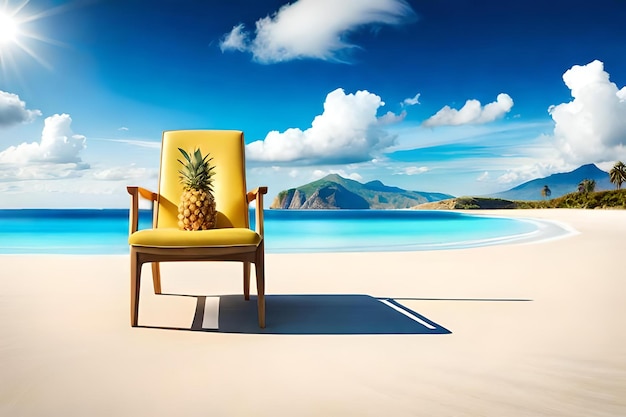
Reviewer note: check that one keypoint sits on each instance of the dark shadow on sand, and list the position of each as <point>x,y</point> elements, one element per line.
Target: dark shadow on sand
<point>318,314</point>
<point>508,300</point>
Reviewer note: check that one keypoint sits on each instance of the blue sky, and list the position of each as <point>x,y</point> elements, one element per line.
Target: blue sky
<point>453,96</point>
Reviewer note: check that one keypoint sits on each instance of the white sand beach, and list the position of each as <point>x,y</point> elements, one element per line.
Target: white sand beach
<point>533,329</point>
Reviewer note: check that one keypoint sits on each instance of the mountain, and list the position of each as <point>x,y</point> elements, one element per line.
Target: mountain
<point>336,192</point>
<point>560,184</point>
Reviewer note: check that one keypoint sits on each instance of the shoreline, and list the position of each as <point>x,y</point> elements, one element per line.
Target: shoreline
<point>534,329</point>
<point>396,241</point>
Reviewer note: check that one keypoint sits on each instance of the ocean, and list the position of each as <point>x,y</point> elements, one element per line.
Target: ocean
<point>90,231</point>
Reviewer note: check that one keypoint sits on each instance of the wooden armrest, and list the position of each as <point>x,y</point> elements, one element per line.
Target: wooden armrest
<point>257,194</point>
<point>142,192</point>
<point>133,214</point>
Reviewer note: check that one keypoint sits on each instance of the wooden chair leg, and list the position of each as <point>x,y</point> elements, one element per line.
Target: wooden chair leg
<point>135,285</point>
<point>260,284</point>
<point>156,277</point>
<point>246,280</point>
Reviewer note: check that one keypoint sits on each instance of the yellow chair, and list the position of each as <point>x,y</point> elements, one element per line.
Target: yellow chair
<point>231,240</point>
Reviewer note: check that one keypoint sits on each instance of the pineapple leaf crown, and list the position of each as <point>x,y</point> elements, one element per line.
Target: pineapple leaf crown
<point>197,172</point>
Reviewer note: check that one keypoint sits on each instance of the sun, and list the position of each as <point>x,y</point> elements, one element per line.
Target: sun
<point>9,29</point>
<point>19,35</point>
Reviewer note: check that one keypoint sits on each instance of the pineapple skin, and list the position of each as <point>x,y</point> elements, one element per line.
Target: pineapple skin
<point>196,210</point>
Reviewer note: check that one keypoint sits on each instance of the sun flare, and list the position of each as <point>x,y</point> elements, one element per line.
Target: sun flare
<point>8,29</point>
<point>19,35</point>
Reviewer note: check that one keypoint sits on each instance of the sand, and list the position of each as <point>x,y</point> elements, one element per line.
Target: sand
<point>533,329</point>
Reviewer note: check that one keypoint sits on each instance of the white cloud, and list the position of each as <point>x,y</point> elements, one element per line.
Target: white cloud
<point>510,177</point>
<point>526,172</point>
<point>413,170</point>
<point>58,145</point>
<point>123,129</point>
<point>347,131</point>
<point>55,157</point>
<point>137,143</point>
<point>13,110</point>
<point>390,118</point>
<point>236,39</point>
<point>40,171</point>
<point>484,176</point>
<point>591,127</point>
<point>313,28</point>
<point>472,113</point>
<point>411,101</point>
<point>124,173</point>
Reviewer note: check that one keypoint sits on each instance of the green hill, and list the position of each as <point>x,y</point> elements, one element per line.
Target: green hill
<point>336,192</point>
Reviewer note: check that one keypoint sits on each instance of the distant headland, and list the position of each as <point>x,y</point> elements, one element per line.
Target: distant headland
<point>336,192</point>
<point>585,187</point>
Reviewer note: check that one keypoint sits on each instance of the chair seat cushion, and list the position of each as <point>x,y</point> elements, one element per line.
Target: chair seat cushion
<point>175,238</point>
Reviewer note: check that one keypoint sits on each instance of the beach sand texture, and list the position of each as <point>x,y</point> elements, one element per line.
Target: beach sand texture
<point>534,330</point>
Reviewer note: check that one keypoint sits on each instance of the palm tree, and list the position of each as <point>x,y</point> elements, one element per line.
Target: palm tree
<point>587,186</point>
<point>617,174</point>
<point>546,192</point>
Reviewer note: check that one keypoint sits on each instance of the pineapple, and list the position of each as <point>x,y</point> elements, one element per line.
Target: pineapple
<point>196,210</point>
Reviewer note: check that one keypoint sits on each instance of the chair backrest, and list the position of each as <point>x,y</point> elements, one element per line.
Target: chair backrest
<point>226,147</point>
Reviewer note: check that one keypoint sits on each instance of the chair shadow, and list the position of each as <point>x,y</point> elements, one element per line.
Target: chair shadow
<point>316,314</point>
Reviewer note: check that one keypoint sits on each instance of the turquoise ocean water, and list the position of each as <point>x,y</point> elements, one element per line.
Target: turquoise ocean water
<point>70,231</point>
